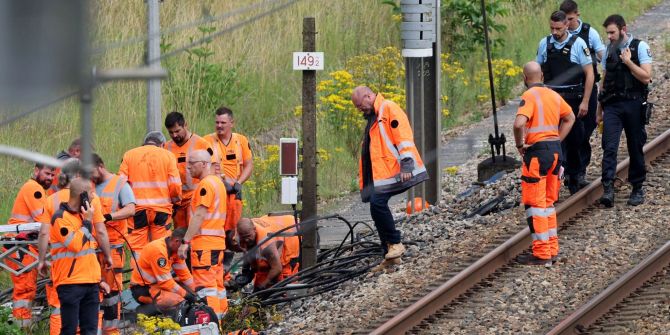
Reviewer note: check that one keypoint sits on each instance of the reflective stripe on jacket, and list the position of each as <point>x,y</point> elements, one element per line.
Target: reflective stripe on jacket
<point>181,154</point>
<point>211,193</point>
<point>392,147</point>
<point>155,267</point>
<point>29,203</point>
<point>153,175</point>
<point>72,250</point>
<point>109,198</point>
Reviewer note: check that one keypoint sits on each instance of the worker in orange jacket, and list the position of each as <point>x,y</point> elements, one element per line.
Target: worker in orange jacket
<point>206,234</point>
<point>75,270</point>
<point>152,173</point>
<point>28,205</point>
<point>276,258</point>
<point>73,151</point>
<point>543,120</point>
<point>71,170</point>
<point>152,284</point>
<point>390,163</point>
<point>183,143</point>
<point>118,204</point>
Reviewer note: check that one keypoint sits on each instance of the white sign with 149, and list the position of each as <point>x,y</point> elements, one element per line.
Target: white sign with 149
<point>308,61</point>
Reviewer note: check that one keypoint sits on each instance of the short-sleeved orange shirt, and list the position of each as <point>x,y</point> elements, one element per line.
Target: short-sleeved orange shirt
<point>544,109</point>
<point>230,156</point>
<point>29,203</point>
<point>54,201</point>
<point>188,183</point>
<point>210,193</point>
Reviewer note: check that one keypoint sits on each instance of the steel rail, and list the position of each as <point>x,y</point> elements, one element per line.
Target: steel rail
<point>507,251</point>
<point>587,314</point>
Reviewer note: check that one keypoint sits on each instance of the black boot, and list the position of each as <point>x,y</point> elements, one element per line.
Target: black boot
<point>573,184</point>
<point>636,196</point>
<point>581,181</point>
<point>608,194</point>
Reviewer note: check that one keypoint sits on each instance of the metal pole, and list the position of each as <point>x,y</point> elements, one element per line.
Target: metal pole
<point>153,58</point>
<point>488,59</point>
<point>86,119</point>
<point>309,194</point>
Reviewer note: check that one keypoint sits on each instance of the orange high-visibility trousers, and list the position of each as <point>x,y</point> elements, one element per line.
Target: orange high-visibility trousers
<point>181,216</point>
<point>147,225</point>
<point>110,304</point>
<point>24,287</point>
<point>162,299</point>
<point>539,190</point>
<point>207,269</point>
<point>233,212</point>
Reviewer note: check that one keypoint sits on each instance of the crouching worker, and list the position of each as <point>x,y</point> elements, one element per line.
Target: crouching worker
<point>152,284</point>
<point>276,258</point>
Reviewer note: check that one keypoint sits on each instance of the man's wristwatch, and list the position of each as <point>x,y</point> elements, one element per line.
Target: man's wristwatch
<point>108,217</point>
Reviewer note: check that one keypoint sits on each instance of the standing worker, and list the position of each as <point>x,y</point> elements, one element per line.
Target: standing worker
<point>234,162</point>
<point>623,105</point>
<point>183,143</point>
<point>71,170</point>
<point>206,234</point>
<point>75,269</point>
<point>389,165</point>
<point>28,205</point>
<point>118,204</point>
<point>152,173</point>
<point>596,48</point>
<point>566,65</point>
<point>545,119</point>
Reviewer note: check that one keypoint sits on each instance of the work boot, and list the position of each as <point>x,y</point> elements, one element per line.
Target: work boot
<point>573,184</point>
<point>530,259</point>
<point>395,251</point>
<point>636,196</point>
<point>608,194</point>
<point>386,263</point>
<point>581,181</point>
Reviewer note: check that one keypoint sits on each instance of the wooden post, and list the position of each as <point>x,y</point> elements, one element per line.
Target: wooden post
<point>309,239</point>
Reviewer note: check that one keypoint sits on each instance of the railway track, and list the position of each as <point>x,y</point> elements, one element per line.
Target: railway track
<point>463,284</point>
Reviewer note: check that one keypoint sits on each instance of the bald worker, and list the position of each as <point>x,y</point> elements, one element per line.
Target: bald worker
<point>390,163</point>
<point>206,232</point>
<point>543,120</point>
<point>276,258</point>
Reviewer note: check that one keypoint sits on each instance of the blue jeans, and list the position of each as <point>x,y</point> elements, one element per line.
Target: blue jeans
<point>624,115</point>
<point>79,305</point>
<point>381,215</point>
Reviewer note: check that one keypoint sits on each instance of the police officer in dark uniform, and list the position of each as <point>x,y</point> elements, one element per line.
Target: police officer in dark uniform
<point>596,47</point>
<point>566,66</point>
<point>627,64</point>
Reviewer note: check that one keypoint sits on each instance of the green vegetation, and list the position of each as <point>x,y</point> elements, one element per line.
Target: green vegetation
<point>250,71</point>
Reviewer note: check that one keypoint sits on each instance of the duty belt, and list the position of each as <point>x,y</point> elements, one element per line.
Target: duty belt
<point>571,92</point>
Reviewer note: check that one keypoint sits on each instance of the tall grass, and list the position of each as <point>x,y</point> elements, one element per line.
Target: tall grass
<point>261,55</point>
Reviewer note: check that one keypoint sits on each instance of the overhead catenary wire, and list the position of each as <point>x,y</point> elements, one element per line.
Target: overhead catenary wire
<point>218,33</point>
<point>171,30</point>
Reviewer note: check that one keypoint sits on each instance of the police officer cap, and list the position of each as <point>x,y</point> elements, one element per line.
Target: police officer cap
<point>154,137</point>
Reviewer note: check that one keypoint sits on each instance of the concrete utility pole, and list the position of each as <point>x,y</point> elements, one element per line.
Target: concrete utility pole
<point>153,54</point>
<point>309,241</point>
<point>420,32</point>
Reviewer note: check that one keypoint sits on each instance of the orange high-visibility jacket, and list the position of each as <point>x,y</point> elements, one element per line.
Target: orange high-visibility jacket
<point>391,145</point>
<point>72,250</point>
<point>109,198</point>
<point>152,173</point>
<point>544,109</point>
<point>29,203</point>
<point>53,203</point>
<point>288,246</point>
<point>156,264</point>
<point>230,157</point>
<point>181,153</point>
<point>211,193</point>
